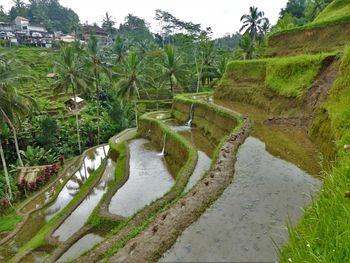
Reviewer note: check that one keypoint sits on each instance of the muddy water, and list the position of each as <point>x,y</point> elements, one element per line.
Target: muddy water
<point>35,257</point>
<point>80,215</point>
<point>203,144</point>
<point>83,244</point>
<point>291,143</point>
<point>149,179</point>
<point>39,218</point>
<point>253,211</point>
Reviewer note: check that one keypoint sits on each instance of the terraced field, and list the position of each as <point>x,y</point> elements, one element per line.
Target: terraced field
<point>39,86</point>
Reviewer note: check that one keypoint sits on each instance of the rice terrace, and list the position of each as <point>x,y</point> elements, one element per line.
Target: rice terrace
<point>142,135</point>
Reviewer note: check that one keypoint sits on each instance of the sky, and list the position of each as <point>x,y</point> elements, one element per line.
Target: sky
<point>223,16</point>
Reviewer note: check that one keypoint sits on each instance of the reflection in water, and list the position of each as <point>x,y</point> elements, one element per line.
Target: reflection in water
<point>149,179</point>
<point>83,244</point>
<point>39,218</point>
<point>203,144</point>
<point>91,163</point>
<point>252,211</point>
<point>78,218</point>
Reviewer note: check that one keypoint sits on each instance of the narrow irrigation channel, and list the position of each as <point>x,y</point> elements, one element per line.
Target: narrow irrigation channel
<point>149,179</point>
<point>251,214</point>
<point>39,218</point>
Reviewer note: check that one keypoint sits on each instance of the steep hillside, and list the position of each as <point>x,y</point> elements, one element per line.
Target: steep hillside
<point>285,86</point>
<point>40,62</point>
<point>338,9</point>
<point>327,33</point>
<point>323,234</point>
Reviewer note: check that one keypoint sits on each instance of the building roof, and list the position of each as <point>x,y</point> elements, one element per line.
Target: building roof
<point>22,18</point>
<point>78,99</point>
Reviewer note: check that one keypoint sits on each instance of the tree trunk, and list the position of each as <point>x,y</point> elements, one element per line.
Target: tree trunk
<point>77,119</point>
<point>7,178</point>
<point>135,105</point>
<point>98,105</point>
<point>199,74</point>
<point>14,136</point>
<point>172,87</point>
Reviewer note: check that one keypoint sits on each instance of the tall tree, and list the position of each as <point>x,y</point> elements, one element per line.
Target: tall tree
<point>295,8</point>
<point>133,78</point>
<point>97,66</point>
<point>4,165</point>
<point>13,105</point>
<point>315,7</point>
<point>173,69</point>
<point>252,22</point>
<point>135,29</point>
<point>108,24</point>
<point>71,75</point>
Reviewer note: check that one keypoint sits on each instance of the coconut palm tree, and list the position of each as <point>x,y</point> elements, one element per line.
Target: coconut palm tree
<point>133,78</point>
<point>173,69</point>
<point>119,49</point>
<point>97,66</point>
<point>252,22</point>
<point>13,104</point>
<point>4,164</point>
<point>70,72</point>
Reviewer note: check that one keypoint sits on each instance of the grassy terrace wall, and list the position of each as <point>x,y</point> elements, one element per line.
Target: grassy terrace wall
<point>330,32</point>
<point>335,10</point>
<point>181,157</point>
<point>323,233</point>
<point>215,122</point>
<point>274,84</point>
<point>164,229</point>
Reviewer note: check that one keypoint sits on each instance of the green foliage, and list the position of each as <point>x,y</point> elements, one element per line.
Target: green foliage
<point>246,71</point>
<point>253,23</point>
<point>9,221</point>
<point>135,29</point>
<point>4,186</point>
<point>120,150</point>
<point>48,12</point>
<point>48,132</point>
<point>322,235</point>
<point>292,76</point>
<point>334,11</point>
<point>289,77</point>
<point>35,156</point>
<point>228,42</point>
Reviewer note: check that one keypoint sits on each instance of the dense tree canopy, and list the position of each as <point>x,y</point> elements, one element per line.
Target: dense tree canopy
<point>47,12</point>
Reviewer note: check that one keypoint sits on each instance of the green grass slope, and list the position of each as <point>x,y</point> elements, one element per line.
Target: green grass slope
<point>323,233</point>
<point>288,77</point>
<point>334,11</point>
<point>327,33</point>
<point>39,87</point>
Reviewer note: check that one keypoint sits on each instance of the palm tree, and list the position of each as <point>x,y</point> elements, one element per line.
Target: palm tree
<point>172,68</point>
<point>108,24</point>
<point>4,164</point>
<point>97,66</point>
<point>70,73</point>
<point>133,79</point>
<point>119,49</point>
<point>246,48</point>
<point>252,22</point>
<point>13,105</point>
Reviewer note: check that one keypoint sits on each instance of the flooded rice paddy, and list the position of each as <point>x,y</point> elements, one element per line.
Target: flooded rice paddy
<point>252,213</point>
<point>149,179</point>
